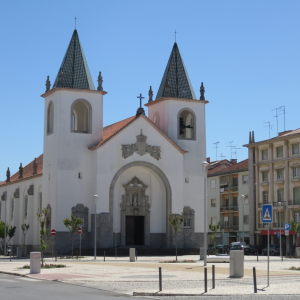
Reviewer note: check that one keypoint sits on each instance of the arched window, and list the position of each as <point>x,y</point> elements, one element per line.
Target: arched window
<point>50,118</point>
<point>186,124</point>
<point>81,117</point>
<point>156,119</point>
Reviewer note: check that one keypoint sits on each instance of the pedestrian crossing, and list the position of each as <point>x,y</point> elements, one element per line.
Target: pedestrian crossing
<point>18,279</point>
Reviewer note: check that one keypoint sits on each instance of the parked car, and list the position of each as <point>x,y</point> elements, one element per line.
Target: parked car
<point>273,250</point>
<point>247,250</point>
<point>256,248</point>
<point>237,247</point>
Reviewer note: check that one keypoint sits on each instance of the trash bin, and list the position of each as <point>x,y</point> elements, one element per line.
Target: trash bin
<point>35,262</point>
<point>19,252</point>
<point>202,252</point>
<point>132,254</point>
<point>236,263</point>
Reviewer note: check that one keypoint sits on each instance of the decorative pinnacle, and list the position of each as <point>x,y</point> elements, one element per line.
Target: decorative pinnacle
<point>202,90</point>
<point>21,171</point>
<point>167,88</point>
<point>8,175</point>
<point>60,78</point>
<point>150,94</point>
<point>100,80</point>
<point>48,84</point>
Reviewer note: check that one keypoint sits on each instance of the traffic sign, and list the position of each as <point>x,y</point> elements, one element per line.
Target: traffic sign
<point>267,213</point>
<point>278,235</point>
<point>79,230</point>
<point>287,232</point>
<point>287,226</point>
<point>53,232</point>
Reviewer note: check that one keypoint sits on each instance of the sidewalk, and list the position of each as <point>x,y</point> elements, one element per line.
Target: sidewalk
<point>141,277</point>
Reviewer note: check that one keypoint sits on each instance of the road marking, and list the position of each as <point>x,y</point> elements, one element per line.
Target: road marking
<point>29,279</point>
<point>7,280</point>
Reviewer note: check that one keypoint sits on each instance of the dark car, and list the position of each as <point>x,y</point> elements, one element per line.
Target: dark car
<point>256,248</point>
<point>247,250</point>
<point>237,247</point>
<point>273,250</point>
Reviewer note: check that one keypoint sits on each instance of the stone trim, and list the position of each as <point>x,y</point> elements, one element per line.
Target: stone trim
<point>30,190</point>
<point>89,116</point>
<point>166,182</point>
<point>17,193</point>
<point>176,99</point>
<point>195,122</point>
<point>53,90</point>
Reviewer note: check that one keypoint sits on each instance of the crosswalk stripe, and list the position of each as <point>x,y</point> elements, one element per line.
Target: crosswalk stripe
<point>29,279</point>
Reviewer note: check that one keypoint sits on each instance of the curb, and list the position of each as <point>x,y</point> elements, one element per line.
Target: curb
<point>175,295</point>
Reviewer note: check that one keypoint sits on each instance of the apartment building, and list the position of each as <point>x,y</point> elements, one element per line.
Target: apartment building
<point>226,183</point>
<point>274,179</point>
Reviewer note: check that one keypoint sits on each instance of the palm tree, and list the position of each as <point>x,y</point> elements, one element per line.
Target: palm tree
<point>72,224</point>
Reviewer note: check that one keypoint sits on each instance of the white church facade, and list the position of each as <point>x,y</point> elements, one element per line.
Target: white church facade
<point>142,168</point>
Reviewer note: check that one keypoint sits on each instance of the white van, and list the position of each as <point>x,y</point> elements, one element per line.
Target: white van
<point>237,243</point>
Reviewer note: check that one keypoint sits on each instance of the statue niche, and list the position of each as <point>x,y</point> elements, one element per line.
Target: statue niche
<point>135,202</point>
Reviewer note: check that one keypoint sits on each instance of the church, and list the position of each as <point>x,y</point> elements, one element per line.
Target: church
<point>132,174</point>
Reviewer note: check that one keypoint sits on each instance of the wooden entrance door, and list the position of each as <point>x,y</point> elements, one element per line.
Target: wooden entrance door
<point>134,230</point>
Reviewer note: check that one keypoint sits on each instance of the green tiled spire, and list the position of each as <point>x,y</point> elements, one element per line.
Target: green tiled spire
<point>76,73</point>
<point>176,78</point>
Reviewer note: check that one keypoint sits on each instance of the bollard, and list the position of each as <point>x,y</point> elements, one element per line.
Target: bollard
<point>60,254</point>
<point>135,254</point>
<point>104,255</point>
<point>254,280</point>
<point>160,281</point>
<point>257,255</point>
<point>213,276</point>
<point>10,256</point>
<point>77,254</point>
<point>55,255</point>
<point>205,280</point>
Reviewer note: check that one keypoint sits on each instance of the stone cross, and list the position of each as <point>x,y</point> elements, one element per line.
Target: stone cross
<point>140,96</point>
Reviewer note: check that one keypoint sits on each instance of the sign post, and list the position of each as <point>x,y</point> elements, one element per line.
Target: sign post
<point>267,217</point>
<point>287,228</point>
<point>79,232</point>
<point>53,233</point>
<point>116,242</point>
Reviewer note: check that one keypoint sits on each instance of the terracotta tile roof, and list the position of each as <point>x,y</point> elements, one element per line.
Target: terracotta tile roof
<point>177,99</point>
<point>27,172</point>
<point>110,131</point>
<point>218,165</point>
<point>238,167</point>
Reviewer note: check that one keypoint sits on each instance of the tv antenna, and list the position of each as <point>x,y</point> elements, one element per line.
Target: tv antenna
<point>216,143</point>
<point>230,148</point>
<point>270,127</point>
<point>235,148</point>
<point>276,117</point>
<point>282,108</point>
<point>222,156</point>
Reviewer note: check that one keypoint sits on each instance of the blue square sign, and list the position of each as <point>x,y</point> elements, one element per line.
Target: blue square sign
<point>287,226</point>
<point>267,213</point>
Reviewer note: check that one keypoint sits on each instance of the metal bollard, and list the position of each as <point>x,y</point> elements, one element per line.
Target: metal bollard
<point>205,280</point>
<point>60,254</point>
<point>160,280</point>
<point>55,255</point>
<point>213,276</point>
<point>135,254</point>
<point>104,255</point>
<point>257,255</point>
<point>254,280</point>
<point>77,254</point>
<point>10,256</point>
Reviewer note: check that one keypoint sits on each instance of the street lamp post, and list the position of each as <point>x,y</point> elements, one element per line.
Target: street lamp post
<point>95,250</point>
<point>205,168</point>
<point>243,201</point>
<point>280,204</point>
<point>4,224</point>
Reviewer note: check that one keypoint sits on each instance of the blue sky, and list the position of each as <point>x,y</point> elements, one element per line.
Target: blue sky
<point>246,53</point>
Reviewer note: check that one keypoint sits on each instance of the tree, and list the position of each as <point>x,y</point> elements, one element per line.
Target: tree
<point>24,228</point>
<point>2,229</point>
<point>214,229</point>
<point>296,228</point>
<point>42,218</point>
<point>72,224</point>
<point>176,221</point>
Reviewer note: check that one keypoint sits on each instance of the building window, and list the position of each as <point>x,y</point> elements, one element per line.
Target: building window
<point>187,223</point>
<point>213,221</point>
<point>26,207</point>
<point>246,199</point>
<point>296,172</point>
<point>295,149</point>
<point>280,195</point>
<point>186,124</point>
<point>245,179</point>
<point>212,184</point>
<point>280,218</point>
<point>50,118</point>
<point>235,201</point>
<point>265,197</point>
<point>41,202</point>
<point>235,181</point>
<point>213,202</point>
<point>296,196</point>
<point>297,216</point>
<point>265,176</point>
<point>235,220</point>
<point>12,208</point>
<point>279,151</point>
<point>280,174</point>
<point>246,219</point>
<point>156,119</point>
<point>81,114</point>
<point>264,154</point>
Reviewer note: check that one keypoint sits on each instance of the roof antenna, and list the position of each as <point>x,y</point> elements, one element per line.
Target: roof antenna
<point>230,148</point>
<point>175,35</point>
<point>222,156</point>
<point>216,143</point>
<point>270,127</point>
<point>75,22</point>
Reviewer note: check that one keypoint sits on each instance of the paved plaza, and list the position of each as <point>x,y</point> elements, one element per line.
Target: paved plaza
<point>141,277</point>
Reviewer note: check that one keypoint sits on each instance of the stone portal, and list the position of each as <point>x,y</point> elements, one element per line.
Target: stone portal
<point>135,230</point>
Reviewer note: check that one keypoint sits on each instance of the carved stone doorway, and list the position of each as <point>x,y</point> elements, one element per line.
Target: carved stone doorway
<point>135,230</point>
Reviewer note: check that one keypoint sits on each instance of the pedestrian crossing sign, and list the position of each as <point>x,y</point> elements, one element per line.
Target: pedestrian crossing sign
<point>267,213</point>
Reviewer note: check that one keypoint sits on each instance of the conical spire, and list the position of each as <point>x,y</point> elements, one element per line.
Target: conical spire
<point>180,85</point>
<point>76,73</point>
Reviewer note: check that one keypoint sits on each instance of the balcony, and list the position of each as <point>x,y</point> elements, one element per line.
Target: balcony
<point>261,204</point>
<point>276,205</point>
<point>229,227</point>
<point>229,207</point>
<point>263,226</point>
<point>277,225</point>
<point>229,189</point>
<point>294,202</point>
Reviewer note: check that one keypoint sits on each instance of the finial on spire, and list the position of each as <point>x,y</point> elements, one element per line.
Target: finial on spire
<point>140,110</point>
<point>202,90</point>
<point>35,167</point>
<point>150,94</point>
<point>8,175</point>
<point>60,78</point>
<point>100,80</point>
<point>175,35</point>
<point>75,22</point>
<point>167,88</point>
<point>48,84</point>
<point>20,171</point>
